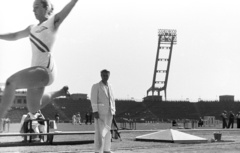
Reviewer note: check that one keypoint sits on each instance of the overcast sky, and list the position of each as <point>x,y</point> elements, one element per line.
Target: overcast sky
<point>122,36</point>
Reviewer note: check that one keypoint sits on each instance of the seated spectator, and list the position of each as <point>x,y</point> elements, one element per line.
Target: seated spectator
<point>74,121</point>
<point>174,123</point>
<point>88,117</point>
<point>37,126</point>
<point>78,118</point>
<point>200,122</point>
<point>57,118</point>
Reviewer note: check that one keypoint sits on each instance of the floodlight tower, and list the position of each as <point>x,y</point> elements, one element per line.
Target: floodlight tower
<point>166,39</point>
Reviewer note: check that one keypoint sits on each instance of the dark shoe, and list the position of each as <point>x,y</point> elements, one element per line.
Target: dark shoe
<point>67,94</point>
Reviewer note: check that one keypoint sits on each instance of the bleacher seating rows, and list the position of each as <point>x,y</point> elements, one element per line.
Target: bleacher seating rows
<point>15,115</point>
<point>147,110</point>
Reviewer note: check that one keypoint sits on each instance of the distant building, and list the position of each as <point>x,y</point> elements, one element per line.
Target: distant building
<point>226,98</point>
<point>20,99</point>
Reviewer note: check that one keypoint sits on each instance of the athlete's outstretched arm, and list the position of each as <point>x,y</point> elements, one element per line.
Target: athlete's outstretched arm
<point>16,35</point>
<point>59,17</point>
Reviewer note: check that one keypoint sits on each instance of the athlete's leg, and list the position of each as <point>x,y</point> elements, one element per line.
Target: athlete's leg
<point>33,77</point>
<point>36,100</point>
<point>34,96</point>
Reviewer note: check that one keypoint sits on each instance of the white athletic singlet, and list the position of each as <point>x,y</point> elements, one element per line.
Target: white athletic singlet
<point>42,38</point>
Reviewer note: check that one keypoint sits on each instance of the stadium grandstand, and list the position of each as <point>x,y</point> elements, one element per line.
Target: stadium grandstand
<point>147,110</point>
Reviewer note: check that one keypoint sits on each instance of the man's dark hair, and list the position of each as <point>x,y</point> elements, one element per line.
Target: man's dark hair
<point>105,71</point>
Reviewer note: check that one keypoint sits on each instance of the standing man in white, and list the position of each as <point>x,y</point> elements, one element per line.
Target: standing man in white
<point>103,106</point>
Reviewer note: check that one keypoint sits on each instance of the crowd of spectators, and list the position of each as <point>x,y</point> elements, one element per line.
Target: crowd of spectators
<point>229,118</point>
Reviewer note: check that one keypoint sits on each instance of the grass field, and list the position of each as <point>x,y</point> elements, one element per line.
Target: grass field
<point>84,143</point>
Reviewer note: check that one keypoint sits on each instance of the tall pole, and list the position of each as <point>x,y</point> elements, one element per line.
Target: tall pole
<point>156,64</point>
<point>166,37</point>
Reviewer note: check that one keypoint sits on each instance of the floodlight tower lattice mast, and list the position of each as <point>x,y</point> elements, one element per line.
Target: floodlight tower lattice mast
<point>166,39</point>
